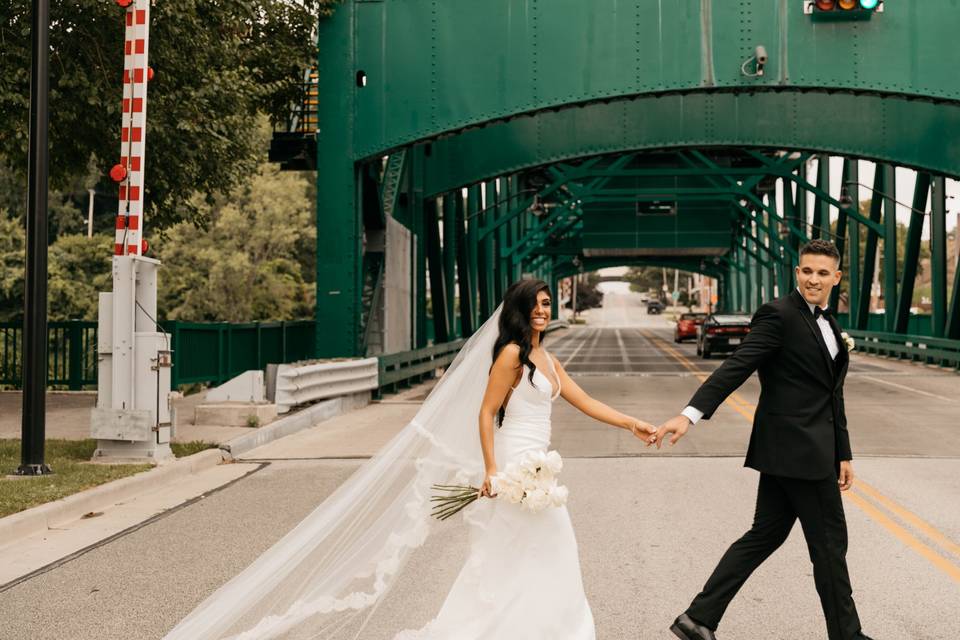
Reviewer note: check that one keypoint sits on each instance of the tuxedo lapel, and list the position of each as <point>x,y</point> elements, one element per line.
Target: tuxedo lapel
<point>817,335</point>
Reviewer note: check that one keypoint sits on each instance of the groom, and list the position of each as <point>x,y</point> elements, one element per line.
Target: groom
<point>799,444</point>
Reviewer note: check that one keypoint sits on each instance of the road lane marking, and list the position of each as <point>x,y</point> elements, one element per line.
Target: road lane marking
<point>734,400</point>
<point>910,518</point>
<point>904,387</point>
<point>944,564</point>
<point>579,347</point>
<point>903,535</point>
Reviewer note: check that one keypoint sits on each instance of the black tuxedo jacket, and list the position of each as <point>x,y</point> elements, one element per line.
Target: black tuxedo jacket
<point>800,428</point>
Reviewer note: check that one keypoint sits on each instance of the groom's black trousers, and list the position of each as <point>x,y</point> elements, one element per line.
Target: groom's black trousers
<point>781,501</point>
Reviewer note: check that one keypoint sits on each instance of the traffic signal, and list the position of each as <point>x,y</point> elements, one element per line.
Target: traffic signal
<point>842,9</point>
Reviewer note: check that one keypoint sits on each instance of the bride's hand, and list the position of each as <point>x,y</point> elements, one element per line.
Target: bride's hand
<point>643,430</point>
<point>486,489</point>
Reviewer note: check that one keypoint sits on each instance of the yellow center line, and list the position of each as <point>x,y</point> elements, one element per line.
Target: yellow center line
<point>944,564</point>
<point>926,528</point>
<point>905,536</point>
<point>734,400</point>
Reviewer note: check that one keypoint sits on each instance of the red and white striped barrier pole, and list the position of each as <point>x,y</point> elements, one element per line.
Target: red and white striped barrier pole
<point>132,419</point>
<point>133,134</point>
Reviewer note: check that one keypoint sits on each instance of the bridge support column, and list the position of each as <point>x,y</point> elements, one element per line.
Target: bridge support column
<point>869,254</point>
<point>339,230</point>
<point>438,290</point>
<point>450,250</point>
<point>466,267</point>
<point>889,248</point>
<point>938,257</point>
<point>911,254</point>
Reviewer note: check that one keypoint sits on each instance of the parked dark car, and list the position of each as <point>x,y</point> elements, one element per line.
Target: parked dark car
<point>721,332</point>
<point>655,307</point>
<point>687,324</point>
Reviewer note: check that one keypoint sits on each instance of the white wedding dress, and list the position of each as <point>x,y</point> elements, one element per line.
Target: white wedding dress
<point>327,576</point>
<point>522,576</point>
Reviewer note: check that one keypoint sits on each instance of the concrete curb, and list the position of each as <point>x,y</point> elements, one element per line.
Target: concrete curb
<point>47,516</point>
<point>303,419</point>
<point>52,514</point>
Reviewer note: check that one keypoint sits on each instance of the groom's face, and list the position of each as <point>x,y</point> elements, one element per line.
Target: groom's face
<point>817,275</point>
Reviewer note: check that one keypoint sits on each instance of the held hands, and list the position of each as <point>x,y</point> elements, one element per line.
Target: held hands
<point>641,429</point>
<point>677,426</point>
<point>846,475</point>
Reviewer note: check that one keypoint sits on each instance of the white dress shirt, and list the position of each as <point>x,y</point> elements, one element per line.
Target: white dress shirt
<point>693,414</point>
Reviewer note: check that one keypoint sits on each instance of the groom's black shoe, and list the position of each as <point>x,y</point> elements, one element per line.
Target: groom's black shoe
<point>686,628</point>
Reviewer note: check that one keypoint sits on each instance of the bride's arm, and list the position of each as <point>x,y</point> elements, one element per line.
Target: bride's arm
<point>502,376</point>
<point>572,393</point>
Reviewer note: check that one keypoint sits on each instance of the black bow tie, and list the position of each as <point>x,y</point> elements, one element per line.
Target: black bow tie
<point>826,313</point>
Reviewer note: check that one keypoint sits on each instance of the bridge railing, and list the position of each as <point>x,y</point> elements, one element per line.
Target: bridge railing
<point>407,368</point>
<point>71,354</point>
<point>938,351</point>
<point>209,352</point>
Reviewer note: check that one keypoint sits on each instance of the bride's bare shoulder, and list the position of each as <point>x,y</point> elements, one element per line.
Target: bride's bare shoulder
<point>509,355</point>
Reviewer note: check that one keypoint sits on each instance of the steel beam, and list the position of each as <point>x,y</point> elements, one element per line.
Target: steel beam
<point>438,293</point>
<point>853,226</point>
<point>889,247</point>
<point>859,319</point>
<point>450,250</point>
<point>822,208</point>
<point>938,256</point>
<point>911,256</point>
<point>339,283</point>
<point>466,264</point>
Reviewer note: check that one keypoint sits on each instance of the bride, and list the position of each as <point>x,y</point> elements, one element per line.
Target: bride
<point>522,575</point>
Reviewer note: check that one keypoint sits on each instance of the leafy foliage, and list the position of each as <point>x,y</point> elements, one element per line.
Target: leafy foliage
<point>253,262</point>
<point>218,66</point>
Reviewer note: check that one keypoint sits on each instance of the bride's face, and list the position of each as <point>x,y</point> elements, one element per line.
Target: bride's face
<point>540,315</point>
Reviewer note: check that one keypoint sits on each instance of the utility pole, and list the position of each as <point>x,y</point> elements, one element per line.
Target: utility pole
<point>92,192</point>
<point>33,427</point>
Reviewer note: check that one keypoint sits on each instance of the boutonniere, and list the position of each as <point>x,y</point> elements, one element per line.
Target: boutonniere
<point>847,340</point>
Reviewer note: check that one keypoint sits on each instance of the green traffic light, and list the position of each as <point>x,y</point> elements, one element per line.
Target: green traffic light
<point>869,5</point>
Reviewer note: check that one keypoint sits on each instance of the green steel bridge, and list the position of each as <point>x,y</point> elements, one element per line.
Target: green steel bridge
<point>459,145</point>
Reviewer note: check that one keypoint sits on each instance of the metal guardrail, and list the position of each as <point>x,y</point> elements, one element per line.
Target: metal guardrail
<point>297,385</point>
<point>939,351</point>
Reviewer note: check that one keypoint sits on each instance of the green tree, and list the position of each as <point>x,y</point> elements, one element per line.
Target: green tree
<point>12,242</point>
<point>249,263</point>
<point>218,66</point>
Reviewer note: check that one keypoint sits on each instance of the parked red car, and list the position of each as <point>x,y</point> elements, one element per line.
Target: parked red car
<point>687,326</point>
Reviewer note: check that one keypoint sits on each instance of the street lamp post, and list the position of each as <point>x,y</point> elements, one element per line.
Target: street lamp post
<point>35,287</point>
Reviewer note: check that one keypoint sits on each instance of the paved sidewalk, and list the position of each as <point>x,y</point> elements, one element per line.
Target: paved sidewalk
<point>68,417</point>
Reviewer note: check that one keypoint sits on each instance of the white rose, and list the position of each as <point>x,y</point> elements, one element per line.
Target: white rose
<point>554,462</point>
<point>558,496</point>
<point>545,482</point>
<point>536,500</point>
<point>534,460</point>
<point>512,493</point>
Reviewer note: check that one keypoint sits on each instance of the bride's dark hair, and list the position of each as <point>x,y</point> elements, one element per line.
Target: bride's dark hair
<point>519,301</point>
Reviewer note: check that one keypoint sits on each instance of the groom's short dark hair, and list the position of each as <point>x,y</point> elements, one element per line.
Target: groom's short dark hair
<point>821,248</point>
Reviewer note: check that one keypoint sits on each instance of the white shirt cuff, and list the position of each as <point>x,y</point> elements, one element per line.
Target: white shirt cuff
<point>693,414</point>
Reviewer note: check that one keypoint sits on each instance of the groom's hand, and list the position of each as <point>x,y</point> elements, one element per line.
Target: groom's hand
<point>846,475</point>
<point>677,426</point>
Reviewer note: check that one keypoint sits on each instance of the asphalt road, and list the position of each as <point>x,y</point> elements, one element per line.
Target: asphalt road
<point>650,525</point>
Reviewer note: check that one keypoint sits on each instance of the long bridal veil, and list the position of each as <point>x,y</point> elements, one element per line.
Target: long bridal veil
<point>341,560</point>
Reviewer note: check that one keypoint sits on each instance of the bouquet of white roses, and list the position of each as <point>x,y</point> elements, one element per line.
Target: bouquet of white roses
<point>530,482</point>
